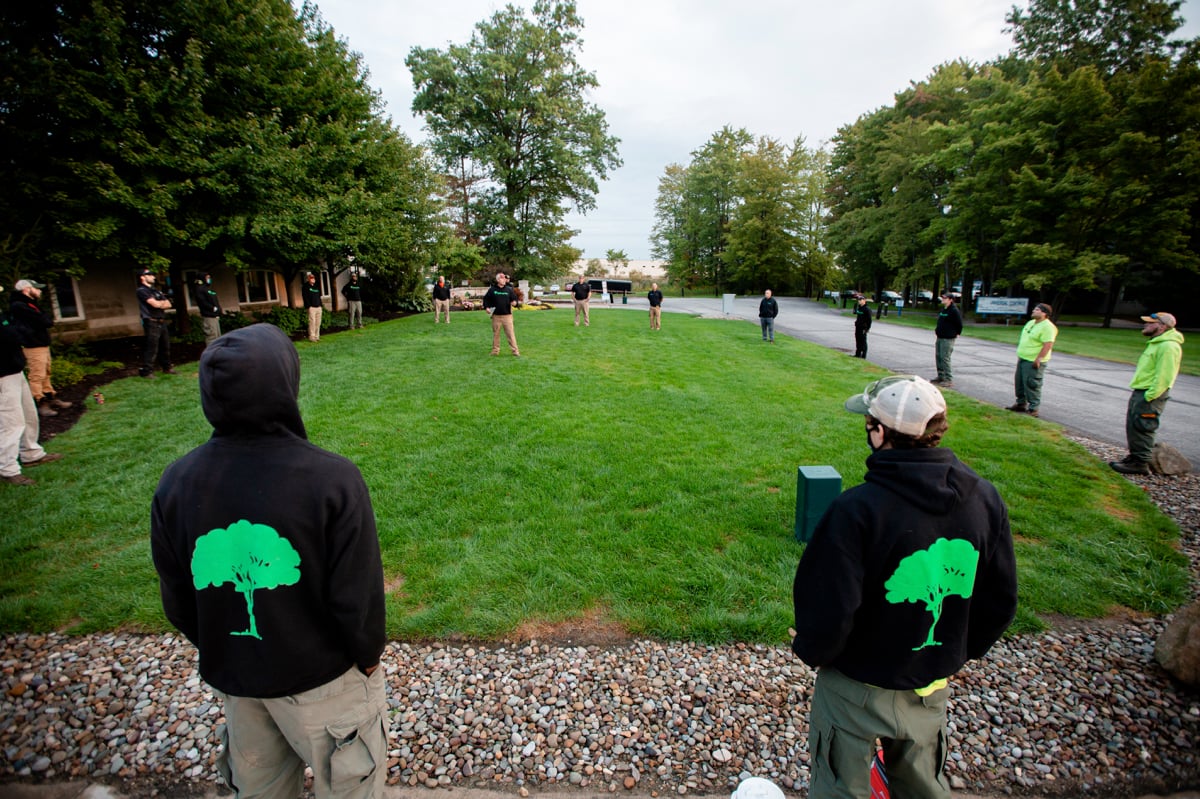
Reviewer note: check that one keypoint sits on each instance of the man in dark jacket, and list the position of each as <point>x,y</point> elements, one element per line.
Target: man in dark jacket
<point>908,576</point>
<point>152,307</point>
<point>949,328</point>
<point>582,291</point>
<point>441,300</point>
<point>862,325</point>
<point>352,291</point>
<point>655,298</point>
<point>498,302</point>
<point>312,301</point>
<point>268,561</point>
<point>210,308</point>
<point>33,326</point>
<point>768,309</point>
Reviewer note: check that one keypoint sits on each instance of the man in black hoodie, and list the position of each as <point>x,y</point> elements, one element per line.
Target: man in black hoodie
<point>908,576</point>
<point>268,561</point>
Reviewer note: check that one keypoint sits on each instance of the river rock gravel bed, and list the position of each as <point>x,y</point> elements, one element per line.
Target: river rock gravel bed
<point>1082,709</point>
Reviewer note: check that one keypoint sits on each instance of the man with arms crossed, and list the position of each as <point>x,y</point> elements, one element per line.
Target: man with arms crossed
<point>1156,371</point>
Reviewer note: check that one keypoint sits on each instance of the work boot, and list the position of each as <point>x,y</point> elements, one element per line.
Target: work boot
<point>57,403</point>
<point>44,409</point>
<point>1134,467</point>
<point>1019,407</point>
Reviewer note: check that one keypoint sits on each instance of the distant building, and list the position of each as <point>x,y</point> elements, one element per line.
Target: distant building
<point>651,269</point>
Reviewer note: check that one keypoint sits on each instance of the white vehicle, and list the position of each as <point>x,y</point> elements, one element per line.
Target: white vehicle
<point>554,289</point>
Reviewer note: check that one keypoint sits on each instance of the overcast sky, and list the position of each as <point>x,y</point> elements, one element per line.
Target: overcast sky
<point>673,72</point>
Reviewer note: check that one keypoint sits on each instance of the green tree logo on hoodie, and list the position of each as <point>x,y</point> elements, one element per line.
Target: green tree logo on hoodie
<point>250,556</point>
<point>947,568</point>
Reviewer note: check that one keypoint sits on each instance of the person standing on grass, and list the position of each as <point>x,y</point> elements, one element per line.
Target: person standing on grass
<point>949,328</point>
<point>1033,353</point>
<point>152,306</point>
<point>862,326</point>
<point>1156,371</point>
<point>441,300</point>
<point>352,291</point>
<point>582,291</point>
<point>498,302</point>
<point>312,301</point>
<point>655,297</point>
<point>268,561</point>
<point>33,326</point>
<point>907,577</point>
<point>210,309</point>
<point>19,424</point>
<point>768,309</point>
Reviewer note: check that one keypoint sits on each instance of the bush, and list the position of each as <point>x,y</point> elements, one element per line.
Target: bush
<point>420,302</point>
<point>289,320</point>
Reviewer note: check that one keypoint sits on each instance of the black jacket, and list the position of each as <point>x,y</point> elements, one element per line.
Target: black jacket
<point>582,290</point>
<point>768,308</point>
<point>441,291</point>
<point>206,301</point>
<point>311,294</point>
<point>655,298</point>
<point>501,299</point>
<point>862,317</point>
<point>949,323</point>
<point>31,323</point>
<point>265,545</point>
<point>12,357</point>
<point>352,291</point>
<point>888,591</point>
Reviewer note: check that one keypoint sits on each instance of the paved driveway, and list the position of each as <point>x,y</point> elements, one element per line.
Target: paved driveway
<point>1082,394</point>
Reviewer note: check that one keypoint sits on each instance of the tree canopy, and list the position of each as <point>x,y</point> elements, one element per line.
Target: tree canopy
<point>197,133</point>
<point>509,118</point>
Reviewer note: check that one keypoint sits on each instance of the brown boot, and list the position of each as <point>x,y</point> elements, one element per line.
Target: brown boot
<point>44,408</point>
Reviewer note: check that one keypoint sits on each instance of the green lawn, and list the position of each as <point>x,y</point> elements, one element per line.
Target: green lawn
<point>643,479</point>
<point>1109,344</point>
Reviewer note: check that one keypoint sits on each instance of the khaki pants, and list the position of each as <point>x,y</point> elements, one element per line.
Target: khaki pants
<point>339,729</point>
<point>314,324</point>
<point>19,426</point>
<point>581,306</point>
<point>441,307</point>
<point>212,328</point>
<point>37,360</point>
<point>504,323</point>
<point>847,716</point>
<point>655,317</point>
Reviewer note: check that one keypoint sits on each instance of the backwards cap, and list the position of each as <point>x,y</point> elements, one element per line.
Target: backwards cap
<point>905,403</point>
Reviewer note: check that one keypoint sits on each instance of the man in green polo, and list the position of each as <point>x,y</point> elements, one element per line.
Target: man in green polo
<point>1033,353</point>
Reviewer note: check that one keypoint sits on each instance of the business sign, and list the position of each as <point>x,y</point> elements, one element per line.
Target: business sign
<point>1016,306</point>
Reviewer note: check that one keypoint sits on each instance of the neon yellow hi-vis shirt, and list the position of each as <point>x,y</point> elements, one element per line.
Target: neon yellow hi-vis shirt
<point>1159,365</point>
<point>1033,336</point>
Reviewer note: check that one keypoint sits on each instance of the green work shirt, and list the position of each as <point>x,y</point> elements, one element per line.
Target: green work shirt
<point>1033,336</point>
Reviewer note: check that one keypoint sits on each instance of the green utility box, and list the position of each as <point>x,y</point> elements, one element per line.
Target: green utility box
<point>816,489</point>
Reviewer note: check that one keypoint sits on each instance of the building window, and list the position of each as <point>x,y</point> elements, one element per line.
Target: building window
<point>65,299</point>
<point>324,276</point>
<point>257,286</point>
<point>190,276</point>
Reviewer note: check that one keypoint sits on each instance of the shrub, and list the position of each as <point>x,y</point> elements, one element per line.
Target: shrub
<point>289,320</point>
<point>418,302</point>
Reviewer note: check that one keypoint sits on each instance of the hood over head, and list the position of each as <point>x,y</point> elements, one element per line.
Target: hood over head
<point>249,382</point>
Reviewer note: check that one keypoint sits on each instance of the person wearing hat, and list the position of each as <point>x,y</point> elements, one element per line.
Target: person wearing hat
<point>33,326</point>
<point>19,423</point>
<point>210,308</point>
<point>948,329</point>
<point>1156,371</point>
<point>1033,353</point>
<point>312,301</point>
<point>152,306</point>
<point>907,577</point>
<point>862,326</point>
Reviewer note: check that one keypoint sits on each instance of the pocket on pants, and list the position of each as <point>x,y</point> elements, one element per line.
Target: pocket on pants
<point>1146,422</point>
<point>357,752</point>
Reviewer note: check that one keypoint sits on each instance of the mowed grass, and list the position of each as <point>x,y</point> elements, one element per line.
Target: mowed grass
<point>639,479</point>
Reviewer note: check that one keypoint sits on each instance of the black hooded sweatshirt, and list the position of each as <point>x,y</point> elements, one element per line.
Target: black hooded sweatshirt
<point>265,545</point>
<point>908,575</point>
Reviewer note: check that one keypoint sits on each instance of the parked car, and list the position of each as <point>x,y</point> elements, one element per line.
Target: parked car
<point>890,296</point>
<point>925,294</point>
<point>554,289</point>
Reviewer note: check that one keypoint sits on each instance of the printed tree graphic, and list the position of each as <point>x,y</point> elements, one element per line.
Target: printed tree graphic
<point>930,575</point>
<point>251,556</point>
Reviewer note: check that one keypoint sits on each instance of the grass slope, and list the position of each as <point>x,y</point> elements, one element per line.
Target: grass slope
<point>638,478</point>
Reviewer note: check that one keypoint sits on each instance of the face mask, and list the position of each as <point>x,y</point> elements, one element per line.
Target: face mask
<point>870,443</point>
